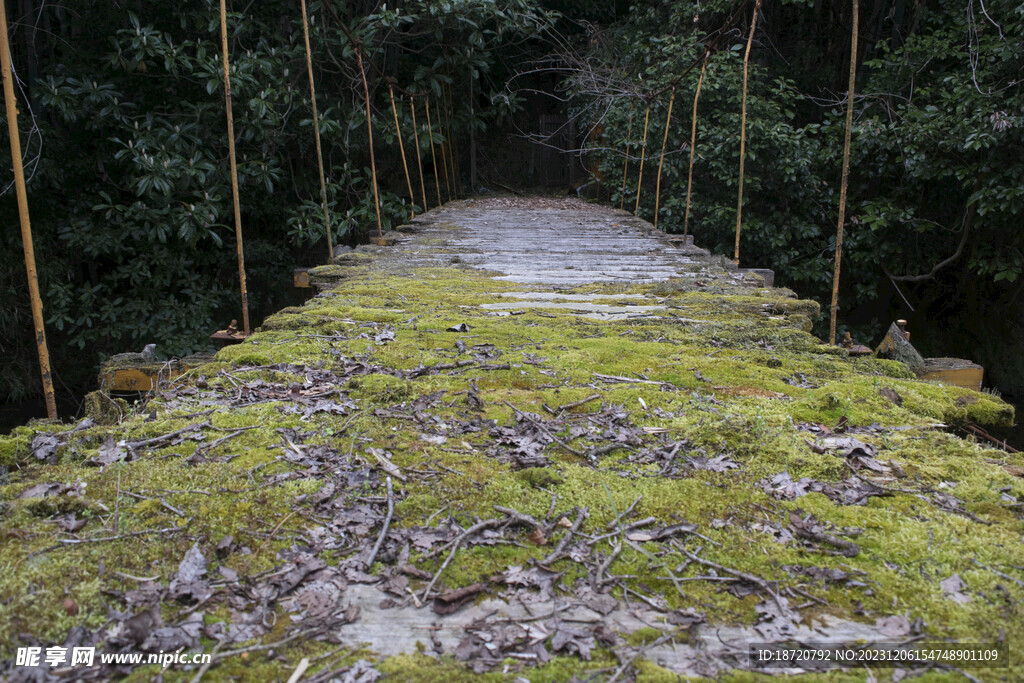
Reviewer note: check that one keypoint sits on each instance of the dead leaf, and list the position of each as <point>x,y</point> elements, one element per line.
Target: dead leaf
<point>42,491</point>
<point>188,584</point>
<point>44,445</point>
<point>109,453</point>
<point>895,626</point>
<point>360,672</point>
<point>572,640</point>
<point>953,587</point>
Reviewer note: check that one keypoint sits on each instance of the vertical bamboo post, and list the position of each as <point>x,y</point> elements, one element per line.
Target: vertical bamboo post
<point>846,175</point>
<point>643,154</point>
<point>433,155</point>
<point>472,134</point>
<point>444,145</point>
<point>743,130</point>
<point>26,226</point>
<point>693,143</point>
<point>453,154</point>
<point>625,166</point>
<point>234,166</point>
<point>401,148</point>
<point>416,140</point>
<point>661,164</point>
<point>316,133</point>
<point>369,133</point>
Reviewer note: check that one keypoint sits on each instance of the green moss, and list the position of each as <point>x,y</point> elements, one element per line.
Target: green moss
<point>103,409</point>
<point>731,373</point>
<point>14,446</point>
<point>540,477</point>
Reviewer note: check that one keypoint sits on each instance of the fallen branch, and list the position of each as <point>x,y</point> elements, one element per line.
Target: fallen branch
<point>544,429</point>
<point>77,541</point>
<point>206,447</point>
<point>629,662</point>
<point>519,516</point>
<point>146,443</point>
<point>581,514</point>
<point>757,581</point>
<point>577,404</point>
<point>480,526</point>
<point>626,380</point>
<point>384,529</point>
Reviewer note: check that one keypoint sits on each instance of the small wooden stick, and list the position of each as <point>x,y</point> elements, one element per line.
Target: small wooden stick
<point>581,514</point>
<point>384,529</point>
<point>486,524</point>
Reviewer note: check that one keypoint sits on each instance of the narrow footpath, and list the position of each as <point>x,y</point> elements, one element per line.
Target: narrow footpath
<point>534,439</point>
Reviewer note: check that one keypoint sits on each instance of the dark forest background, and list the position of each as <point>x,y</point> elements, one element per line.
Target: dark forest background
<point>124,133</point>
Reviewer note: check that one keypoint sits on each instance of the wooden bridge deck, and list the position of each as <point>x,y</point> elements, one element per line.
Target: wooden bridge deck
<point>530,430</point>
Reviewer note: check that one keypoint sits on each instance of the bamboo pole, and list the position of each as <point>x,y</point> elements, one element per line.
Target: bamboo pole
<point>416,139</point>
<point>661,164</point>
<point>643,154</point>
<point>453,153</point>
<point>234,167</point>
<point>444,146</point>
<point>369,132</point>
<point>26,225</point>
<point>433,155</point>
<point>316,132</point>
<point>693,143</point>
<point>625,167</point>
<point>401,148</point>
<point>743,130</point>
<point>846,175</point>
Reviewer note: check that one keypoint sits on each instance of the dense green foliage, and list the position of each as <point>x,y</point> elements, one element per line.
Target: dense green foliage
<point>126,134</point>
<point>937,178</point>
<point>124,129</point>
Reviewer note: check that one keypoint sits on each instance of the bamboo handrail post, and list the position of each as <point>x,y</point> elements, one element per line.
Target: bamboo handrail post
<point>369,133</point>
<point>316,133</point>
<point>643,154</point>
<point>693,143</point>
<point>401,148</point>
<point>743,130</point>
<point>625,167</point>
<point>444,146</point>
<point>416,140</point>
<point>433,154</point>
<point>846,176</point>
<point>453,152</point>
<point>236,203</point>
<point>23,216</point>
<point>661,164</point>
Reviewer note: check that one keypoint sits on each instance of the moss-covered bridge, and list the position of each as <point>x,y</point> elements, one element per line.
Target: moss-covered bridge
<point>533,440</point>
